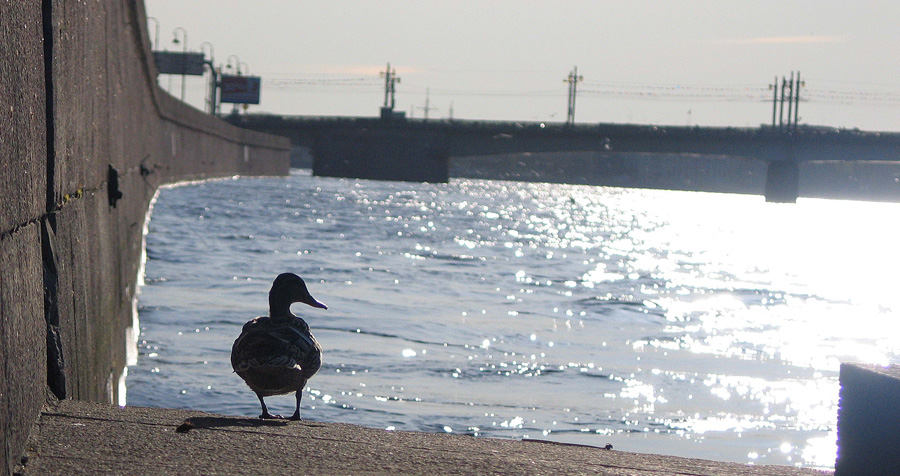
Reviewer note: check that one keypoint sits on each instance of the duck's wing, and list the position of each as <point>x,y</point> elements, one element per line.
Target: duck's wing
<point>264,344</point>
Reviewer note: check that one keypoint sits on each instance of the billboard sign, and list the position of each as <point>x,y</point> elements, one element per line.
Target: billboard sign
<point>239,89</point>
<point>168,62</point>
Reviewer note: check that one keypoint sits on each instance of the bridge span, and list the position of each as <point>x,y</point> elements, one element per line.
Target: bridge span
<point>420,150</point>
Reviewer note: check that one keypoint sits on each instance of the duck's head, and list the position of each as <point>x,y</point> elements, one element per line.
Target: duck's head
<point>289,288</point>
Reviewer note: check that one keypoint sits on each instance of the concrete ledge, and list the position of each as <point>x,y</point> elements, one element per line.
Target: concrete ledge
<point>868,420</point>
<point>87,438</point>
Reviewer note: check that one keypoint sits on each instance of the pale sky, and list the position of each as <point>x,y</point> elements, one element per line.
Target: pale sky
<point>697,62</point>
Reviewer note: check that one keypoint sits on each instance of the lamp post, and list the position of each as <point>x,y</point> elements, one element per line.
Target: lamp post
<point>211,49</point>
<point>235,63</point>
<point>211,91</point>
<point>184,50</point>
<point>156,36</point>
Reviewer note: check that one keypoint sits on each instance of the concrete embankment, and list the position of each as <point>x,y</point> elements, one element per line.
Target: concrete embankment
<point>85,438</point>
<point>86,137</point>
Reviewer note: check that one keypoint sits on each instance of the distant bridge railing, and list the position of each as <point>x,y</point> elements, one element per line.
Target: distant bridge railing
<point>419,149</point>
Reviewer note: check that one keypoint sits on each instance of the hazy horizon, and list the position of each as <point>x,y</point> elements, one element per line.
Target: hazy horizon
<point>678,62</point>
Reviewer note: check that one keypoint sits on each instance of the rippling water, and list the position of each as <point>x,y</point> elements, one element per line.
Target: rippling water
<point>694,324</point>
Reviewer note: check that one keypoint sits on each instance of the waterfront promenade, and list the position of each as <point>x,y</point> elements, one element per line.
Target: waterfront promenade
<point>75,437</point>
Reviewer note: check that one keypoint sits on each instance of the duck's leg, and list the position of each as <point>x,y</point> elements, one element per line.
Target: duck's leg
<point>296,415</point>
<point>265,410</point>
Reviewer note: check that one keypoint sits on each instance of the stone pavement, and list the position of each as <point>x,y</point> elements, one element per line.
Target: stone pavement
<point>74,437</point>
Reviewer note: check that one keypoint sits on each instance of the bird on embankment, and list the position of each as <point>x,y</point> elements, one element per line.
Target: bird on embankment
<point>276,354</point>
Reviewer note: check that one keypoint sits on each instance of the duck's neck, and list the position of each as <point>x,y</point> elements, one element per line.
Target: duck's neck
<point>280,308</point>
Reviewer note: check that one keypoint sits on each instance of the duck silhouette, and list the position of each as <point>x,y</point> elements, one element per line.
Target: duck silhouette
<point>276,354</point>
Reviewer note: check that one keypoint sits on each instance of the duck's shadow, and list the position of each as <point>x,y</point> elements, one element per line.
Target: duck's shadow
<point>221,423</point>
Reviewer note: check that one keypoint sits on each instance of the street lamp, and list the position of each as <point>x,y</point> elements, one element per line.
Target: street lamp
<point>236,63</point>
<point>184,50</point>
<point>156,36</point>
<point>211,86</point>
<point>211,49</point>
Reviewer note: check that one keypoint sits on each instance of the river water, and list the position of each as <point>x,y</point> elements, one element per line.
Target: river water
<point>694,324</point>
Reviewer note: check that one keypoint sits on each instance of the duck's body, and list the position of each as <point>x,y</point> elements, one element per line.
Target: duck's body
<point>277,354</point>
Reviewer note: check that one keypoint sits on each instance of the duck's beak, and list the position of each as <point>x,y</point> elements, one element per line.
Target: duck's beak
<point>312,302</point>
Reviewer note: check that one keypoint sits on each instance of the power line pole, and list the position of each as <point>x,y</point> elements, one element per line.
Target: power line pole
<point>797,100</point>
<point>790,113</point>
<point>781,109</point>
<point>387,84</point>
<point>573,81</point>
<point>390,80</point>
<point>774,87</point>
<point>427,103</point>
<point>790,93</point>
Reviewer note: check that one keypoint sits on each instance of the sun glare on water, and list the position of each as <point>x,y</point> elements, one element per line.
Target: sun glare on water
<point>685,323</point>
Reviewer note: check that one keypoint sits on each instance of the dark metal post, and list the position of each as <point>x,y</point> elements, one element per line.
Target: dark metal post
<point>797,101</point>
<point>781,108</point>
<point>211,98</point>
<point>573,80</point>
<point>774,101</point>
<point>393,87</point>
<point>213,87</point>
<point>790,102</point>
<point>387,85</point>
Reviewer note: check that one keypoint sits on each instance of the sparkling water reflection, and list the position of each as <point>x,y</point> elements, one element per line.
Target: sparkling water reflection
<point>694,324</point>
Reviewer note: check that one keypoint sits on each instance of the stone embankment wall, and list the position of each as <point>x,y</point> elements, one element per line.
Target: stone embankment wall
<point>86,138</point>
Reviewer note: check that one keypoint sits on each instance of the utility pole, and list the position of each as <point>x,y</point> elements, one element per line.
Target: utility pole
<point>774,87</point>
<point>573,81</point>
<point>428,103</point>
<point>797,100</point>
<point>790,92</point>
<point>781,109</point>
<point>390,80</point>
<point>790,114</point>
<point>387,84</point>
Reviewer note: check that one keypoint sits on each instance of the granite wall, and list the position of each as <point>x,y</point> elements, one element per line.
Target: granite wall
<point>86,138</point>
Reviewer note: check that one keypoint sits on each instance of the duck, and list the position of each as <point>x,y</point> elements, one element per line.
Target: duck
<point>277,354</point>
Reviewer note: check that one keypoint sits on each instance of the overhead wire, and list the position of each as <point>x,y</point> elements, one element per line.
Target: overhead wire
<point>653,92</point>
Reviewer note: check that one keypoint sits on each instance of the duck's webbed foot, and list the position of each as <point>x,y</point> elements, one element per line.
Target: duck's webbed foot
<point>265,415</point>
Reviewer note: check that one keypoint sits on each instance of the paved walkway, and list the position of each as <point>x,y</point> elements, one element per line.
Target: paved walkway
<point>86,438</point>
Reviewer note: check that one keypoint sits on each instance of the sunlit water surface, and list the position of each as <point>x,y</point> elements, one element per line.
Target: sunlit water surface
<point>694,324</point>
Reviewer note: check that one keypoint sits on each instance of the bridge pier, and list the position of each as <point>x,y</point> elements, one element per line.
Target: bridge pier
<point>382,153</point>
<point>782,182</point>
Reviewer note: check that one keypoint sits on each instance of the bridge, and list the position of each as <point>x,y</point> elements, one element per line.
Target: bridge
<point>395,148</point>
